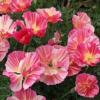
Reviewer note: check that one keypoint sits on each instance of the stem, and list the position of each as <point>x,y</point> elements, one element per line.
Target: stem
<point>24,47</point>
<point>86,69</point>
<point>62,97</point>
<point>15,45</point>
<point>4,88</point>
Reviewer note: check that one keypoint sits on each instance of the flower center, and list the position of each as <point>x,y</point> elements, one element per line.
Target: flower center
<point>24,74</point>
<point>89,57</point>
<point>50,64</point>
<point>51,71</point>
<point>49,12</point>
<point>17,73</point>
<point>84,87</point>
<point>35,28</point>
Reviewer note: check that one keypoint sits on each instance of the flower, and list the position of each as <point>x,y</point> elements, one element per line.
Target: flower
<point>23,35</point>
<point>20,5</point>
<point>88,53</point>
<point>76,37</point>
<point>36,23</point>
<point>23,69</point>
<point>52,15</point>
<point>56,39</point>
<point>4,6</point>
<point>28,94</point>
<point>7,26</point>
<point>55,60</point>
<point>80,20</point>
<point>4,46</point>
<point>74,68</point>
<point>86,85</point>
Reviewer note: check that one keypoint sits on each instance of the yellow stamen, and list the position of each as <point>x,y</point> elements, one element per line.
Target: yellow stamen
<point>35,27</point>
<point>50,13</point>
<point>51,71</point>
<point>89,57</point>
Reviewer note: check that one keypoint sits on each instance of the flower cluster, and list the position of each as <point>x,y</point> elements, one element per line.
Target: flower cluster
<point>84,51</point>
<point>51,63</point>
<point>11,6</point>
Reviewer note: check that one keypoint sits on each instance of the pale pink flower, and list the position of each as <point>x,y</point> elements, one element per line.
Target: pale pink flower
<point>51,14</point>
<point>55,60</point>
<point>76,37</point>
<point>20,5</point>
<point>7,26</point>
<point>23,69</point>
<point>28,94</point>
<point>80,20</point>
<point>89,28</point>
<point>56,39</point>
<point>4,46</point>
<point>86,85</point>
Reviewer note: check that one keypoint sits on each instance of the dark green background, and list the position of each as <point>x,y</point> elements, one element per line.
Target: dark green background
<point>68,9</point>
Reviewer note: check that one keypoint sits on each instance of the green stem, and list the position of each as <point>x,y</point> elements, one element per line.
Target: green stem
<point>24,47</point>
<point>62,97</point>
<point>87,67</point>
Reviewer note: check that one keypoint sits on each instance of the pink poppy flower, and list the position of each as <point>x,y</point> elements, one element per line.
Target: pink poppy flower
<point>89,28</point>
<point>55,60</point>
<point>6,26</point>
<point>4,6</point>
<point>86,85</point>
<point>88,53</point>
<point>22,35</point>
<point>51,14</point>
<point>76,37</point>
<point>4,46</point>
<point>23,69</point>
<point>56,39</point>
<point>73,68</point>
<point>28,94</point>
<point>36,23</point>
<point>80,20</point>
<point>20,5</point>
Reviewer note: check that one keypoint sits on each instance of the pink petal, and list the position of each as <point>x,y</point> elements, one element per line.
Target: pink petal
<point>12,98</point>
<point>4,46</point>
<point>14,60</point>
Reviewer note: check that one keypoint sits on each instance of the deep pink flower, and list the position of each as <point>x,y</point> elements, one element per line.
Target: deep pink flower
<point>4,46</point>
<point>36,23</point>
<point>7,26</point>
<point>26,95</point>
<point>51,14</point>
<point>88,53</point>
<point>23,36</point>
<point>86,85</point>
<point>23,69</point>
<point>74,68</point>
<point>20,5</point>
<point>80,20</point>
<point>55,60</point>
